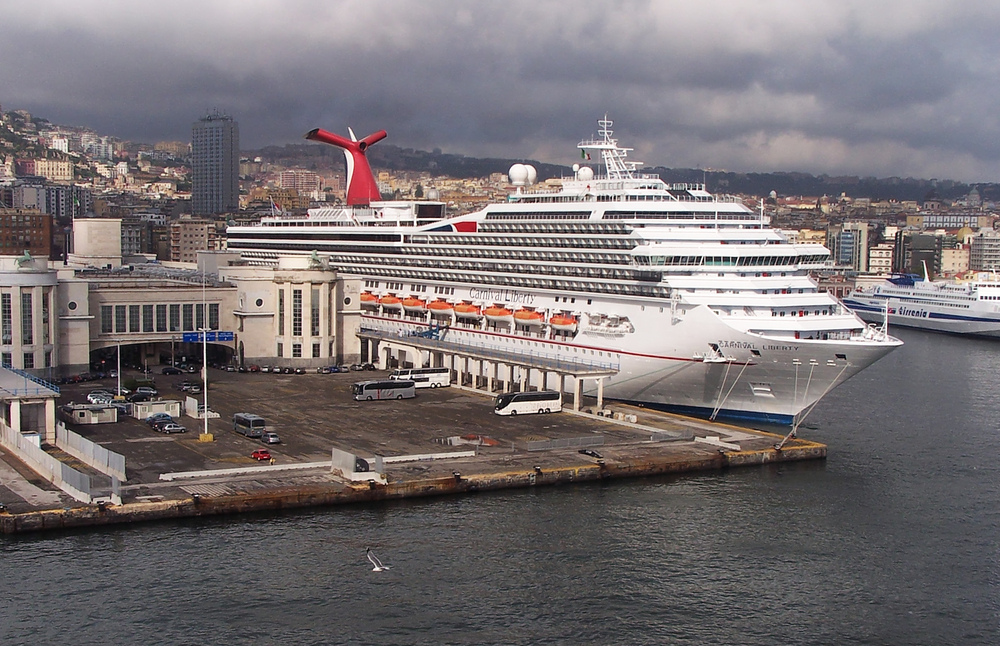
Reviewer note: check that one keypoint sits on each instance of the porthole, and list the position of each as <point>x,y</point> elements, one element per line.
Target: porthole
<point>347,301</point>
<point>71,305</point>
<point>260,302</point>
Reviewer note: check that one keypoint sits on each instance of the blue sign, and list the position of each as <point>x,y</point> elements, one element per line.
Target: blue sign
<point>210,336</point>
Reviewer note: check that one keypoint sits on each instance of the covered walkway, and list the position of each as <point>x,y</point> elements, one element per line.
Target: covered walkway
<point>492,368</point>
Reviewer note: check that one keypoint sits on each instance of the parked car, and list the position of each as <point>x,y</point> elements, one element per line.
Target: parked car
<point>300,371</point>
<point>100,398</point>
<point>254,368</point>
<point>147,390</point>
<point>138,397</point>
<point>171,427</point>
<point>323,370</point>
<point>159,424</point>
<point>270,438</point>
<point>261,454</point>
<point>591,452</point>
<point>171,370</point>
<point>158,417</point>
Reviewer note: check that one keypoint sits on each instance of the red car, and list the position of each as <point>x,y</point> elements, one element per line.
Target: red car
<point>261,454</point>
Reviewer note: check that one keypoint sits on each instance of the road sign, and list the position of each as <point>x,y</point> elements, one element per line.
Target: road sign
<point>211,336</point>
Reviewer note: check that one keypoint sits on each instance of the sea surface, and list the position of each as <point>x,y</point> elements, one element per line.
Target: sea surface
<point>892,540</point>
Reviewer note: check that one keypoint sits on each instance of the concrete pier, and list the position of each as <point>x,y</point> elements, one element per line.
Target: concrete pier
<point>446,441</point>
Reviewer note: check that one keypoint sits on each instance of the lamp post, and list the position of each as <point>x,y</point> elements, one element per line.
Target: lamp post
<point>119,373</point>
<point>204,380</point>
<point>205,435</point>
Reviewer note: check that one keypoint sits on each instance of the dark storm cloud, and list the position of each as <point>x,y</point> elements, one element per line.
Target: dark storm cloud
<point>891,88</point>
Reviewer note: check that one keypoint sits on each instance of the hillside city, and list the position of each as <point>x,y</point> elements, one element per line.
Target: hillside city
<point>51,175</point>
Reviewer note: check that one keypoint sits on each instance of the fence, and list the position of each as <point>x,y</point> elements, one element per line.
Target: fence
<point>94,455</point>
<point>70,480</point>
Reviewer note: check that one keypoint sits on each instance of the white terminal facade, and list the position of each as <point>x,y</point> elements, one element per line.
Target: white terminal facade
<point>60,319</point>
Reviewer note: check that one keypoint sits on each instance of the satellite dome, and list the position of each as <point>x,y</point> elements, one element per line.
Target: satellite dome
<point>518,175</point>
<point>585,174</point>
<point>532,173</point>
<point>433,194</point>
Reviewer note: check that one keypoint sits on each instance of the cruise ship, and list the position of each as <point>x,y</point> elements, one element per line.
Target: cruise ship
<point>959,307</point>
<point>698,304</point>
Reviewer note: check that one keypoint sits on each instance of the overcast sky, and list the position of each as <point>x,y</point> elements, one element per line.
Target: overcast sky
<point>904,88</point>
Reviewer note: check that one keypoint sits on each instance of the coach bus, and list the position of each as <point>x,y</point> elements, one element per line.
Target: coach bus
<point>424,377</point>
<point>382,389</point>
<point>536,401</point>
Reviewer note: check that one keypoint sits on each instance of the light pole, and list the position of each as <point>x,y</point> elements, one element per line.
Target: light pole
<point>205,435</point>
<point>204,380</point>
<point>119,373</point>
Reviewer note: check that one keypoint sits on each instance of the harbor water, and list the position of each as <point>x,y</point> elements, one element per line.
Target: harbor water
<point>892,540</point>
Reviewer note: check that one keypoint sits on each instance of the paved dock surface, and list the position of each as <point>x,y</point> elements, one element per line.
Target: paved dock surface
<point>314,412</point>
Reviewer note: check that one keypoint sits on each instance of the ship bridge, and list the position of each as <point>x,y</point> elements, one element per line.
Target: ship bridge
<point>488,368</point>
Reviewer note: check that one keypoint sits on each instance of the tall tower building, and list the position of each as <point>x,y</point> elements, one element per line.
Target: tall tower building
<point>215,165</point>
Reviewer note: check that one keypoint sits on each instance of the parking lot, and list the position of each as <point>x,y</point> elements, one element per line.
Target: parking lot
<point>313,413</point>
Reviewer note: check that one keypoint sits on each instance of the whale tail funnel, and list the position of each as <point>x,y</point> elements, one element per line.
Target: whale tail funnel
<point>362,188</point>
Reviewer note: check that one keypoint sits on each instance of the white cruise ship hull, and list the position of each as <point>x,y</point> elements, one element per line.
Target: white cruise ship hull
<point>664,359</point>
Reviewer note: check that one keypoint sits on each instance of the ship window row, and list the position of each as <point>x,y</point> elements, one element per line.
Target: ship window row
<point>593,228</point>
<point>537,215</point>
<point>679,215</point>
<point>477,278</point>
<point>547,256</point>
<point>508,267</point>
<point>727,261</point>
<point>518,241</point>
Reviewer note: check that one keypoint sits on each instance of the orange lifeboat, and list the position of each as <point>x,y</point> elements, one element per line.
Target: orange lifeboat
<point>369,300</point>
<point>528,317</point>
<point>563,323</point>
<point>441,308</point>
<point>468,311</point>
<point>390,302</point>
<point>414,305</point>
<point>498,314</point>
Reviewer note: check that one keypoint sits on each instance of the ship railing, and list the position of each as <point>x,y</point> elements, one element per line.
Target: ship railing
<point>548,360</point>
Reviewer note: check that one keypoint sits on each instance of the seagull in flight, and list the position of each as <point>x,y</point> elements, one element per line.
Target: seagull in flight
<point>374,559</point>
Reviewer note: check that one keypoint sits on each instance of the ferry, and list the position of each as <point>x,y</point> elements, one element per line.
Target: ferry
<point>969,307</point>
<point>698,304</point>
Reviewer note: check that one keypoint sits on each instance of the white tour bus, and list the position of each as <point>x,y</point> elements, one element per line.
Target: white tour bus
<point>537,401</point>
<point>424,377</point>
<point>382,389</point>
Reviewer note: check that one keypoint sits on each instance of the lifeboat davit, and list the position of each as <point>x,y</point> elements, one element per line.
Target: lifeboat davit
<point>498,314</point>
<point>529,317</point>
<point>414,305</point>
<point>441,308</point>
<point>563,323</point>
<point>390,302</point>
<point>468,311</point>
<point>369,300</point>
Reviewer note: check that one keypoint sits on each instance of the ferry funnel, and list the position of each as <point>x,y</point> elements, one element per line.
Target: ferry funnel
<point>361,185</point>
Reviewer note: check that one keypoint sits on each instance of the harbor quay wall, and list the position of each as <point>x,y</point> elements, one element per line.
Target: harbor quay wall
<point>337,493</point>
